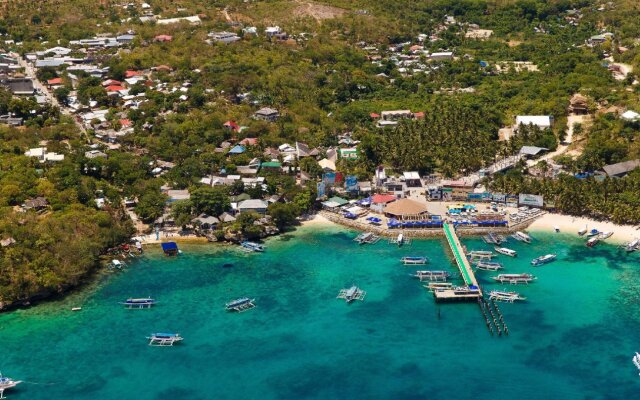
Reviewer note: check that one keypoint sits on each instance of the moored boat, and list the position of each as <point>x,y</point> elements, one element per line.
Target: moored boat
<point>582,232</point>
<point>241,304</point>
<point>632,246</point>
<point>592,241</point>
<point>556,228</point>
<point>543,259</point>
<point>514,279</point>
<point>432,286</point>
<point>593,232</point>
<point>252,246</point>
<point>481,254</point>
<point>164,339</point>
<point>352,294</point>
<point>400,239</point>
<point>605,235</point>
<point>522,237</point>
<point>145,302</point>
<point>6,383</point>
<point>636,360</point>
<point>488,266</point>
<point>509,297</point>
<point>414,260</point>
<point>506,252</point>
<point>432,275</point>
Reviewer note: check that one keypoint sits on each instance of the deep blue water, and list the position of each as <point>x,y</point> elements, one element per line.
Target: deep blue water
<point>573,338</point>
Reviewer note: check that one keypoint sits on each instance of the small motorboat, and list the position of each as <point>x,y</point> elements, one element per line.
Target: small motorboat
<point>252,246</point>
<point>522,237</point>
<point>76,308</point>
<point>488,266</point>
<point>592,241</point>
<point>505,296</point>
<point>556,228</point>
<point>632,246</point>
<point>593,232</point>
<point>164,339</point>
<point>635,359</point>
<point>543,259</point>
<point>506,252</point>
<point>582,232</point>
<point>8,383</point>
<point>605,235</point>
<point>400,239</point>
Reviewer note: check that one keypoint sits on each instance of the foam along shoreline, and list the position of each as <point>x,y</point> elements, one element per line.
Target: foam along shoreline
<point>571,225</point>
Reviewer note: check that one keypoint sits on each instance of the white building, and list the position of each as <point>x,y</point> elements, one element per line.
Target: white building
<point>541,121</point>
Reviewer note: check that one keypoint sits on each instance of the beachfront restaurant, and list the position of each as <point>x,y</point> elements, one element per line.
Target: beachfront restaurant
<point>334,204</point>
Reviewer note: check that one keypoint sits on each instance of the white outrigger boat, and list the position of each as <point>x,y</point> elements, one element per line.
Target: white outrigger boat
<point>632,246</point>
<point>240,305</point>
<point>521,237</point>
<point>432,275</point>
<point>6,383</point>
<point>400,239</point>
<point>593,232</point>
<point>433,286</point>
<point>488,266</point>
<point>481,254</point>
<point>508,297</point>
<point>593,241</point>
<point>605,235</point>
<point>164,339</point>
<point>543,259</point>
<point>636,360</point>
<point>352,294</point>
<point>147,302</point>
<point>514,279</point>
<point>414,260</point>
<point>252,246</point>
<point>506,252</point>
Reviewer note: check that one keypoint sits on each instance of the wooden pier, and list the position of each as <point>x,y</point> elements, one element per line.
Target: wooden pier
<point>461,259</point>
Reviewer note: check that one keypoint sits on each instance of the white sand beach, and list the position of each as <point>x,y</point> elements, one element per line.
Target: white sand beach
<point>571,225</point>
<point>316,219</point>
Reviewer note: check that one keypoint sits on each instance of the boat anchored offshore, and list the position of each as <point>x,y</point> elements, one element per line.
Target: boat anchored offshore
<point>432,275</point>
<point>240,305</point>
<point>636,360</point>
<point>414,260</point>
<point>352,294</point>
<point>367,238</point>
<point>506,252</point>
<point>508,297</point>
<point>6,383</point>
<point>252,246</point>
<point>164,339</point>
<point>480,255</point>
<point>488,266</point>
<point>139,303</point>
<point>514,279</point>
<point>522,237</point>
<point>543,259</point>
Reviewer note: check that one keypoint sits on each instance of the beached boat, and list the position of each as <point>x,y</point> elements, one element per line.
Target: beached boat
<point>164,339</point>
<point>145,302</point>
<point>543,259</point>
<point>593,232</point>
<point>506,252</point>
<point>433,286</point>
<point>508,297</point>
<point>556,228</point>
<point>521,237</point>
<point>414,260</point>
<point>488,266</point>
<point>592,242</point>
<point>252,246</point>
<point>432,275</point>
<point>605,235</point>
<point>636,360</point>
<point>400,239</point>
<point>352,294</point>
<point>632,246</point>
<point>582,232</point>
<point>240,305</point>
<point>6,383</point>
<point>514,279</point>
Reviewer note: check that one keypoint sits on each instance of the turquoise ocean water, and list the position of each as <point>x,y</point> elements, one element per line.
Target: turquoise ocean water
<point>573,339</point>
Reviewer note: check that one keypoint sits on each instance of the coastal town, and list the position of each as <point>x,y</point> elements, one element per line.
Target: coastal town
<point>452,136</point>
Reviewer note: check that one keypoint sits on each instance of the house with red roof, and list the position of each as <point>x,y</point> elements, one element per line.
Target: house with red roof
<point>130,74</point>
<point>380,201</point>
<point>114,88</point>
<point>249,141</point>
<point>125,123</point>
<point>111,82</point>
<point>163,38</point>
<point>54,82</point>
<point>231,125</point>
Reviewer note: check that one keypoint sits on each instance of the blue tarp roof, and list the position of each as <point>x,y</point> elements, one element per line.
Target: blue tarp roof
<point>237,150</point>
<point>169,246</point>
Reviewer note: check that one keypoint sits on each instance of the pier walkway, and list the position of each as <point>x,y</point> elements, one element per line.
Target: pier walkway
<point>459,255</point>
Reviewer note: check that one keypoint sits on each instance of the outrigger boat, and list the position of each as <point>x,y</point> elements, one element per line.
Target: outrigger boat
<point>433,286</point>
<point>139,303</point>
<point>522,237</point>
<point>366,238</point>
<point>488,266</point>
<point>164,339</point>
<point>494,238</point>
<point>240,305</point>
<point>636,360</point>
<point>593,232</point>
<point>508,297</point>
<point>414,260</point>
<point>592,242</point>
<point>400,239</point>
<point>352,294</point>
<point>632,246</point>
<point>6,383</point>
<point>252,246</point>
<point>543,259</point>
<point>431,275</point>
<point>480,254</point>
<point>605,235</point>
<point>506,252</point>
<point>514,279</point>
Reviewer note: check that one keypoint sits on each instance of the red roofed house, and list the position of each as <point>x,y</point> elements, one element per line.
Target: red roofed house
<point>131,74</point>
<point>374,115</point>
<point>231,125</point>
<point>125,123</point>
<point>380,201</point>
<point>249,141</point>
<point>418,115</point>
<point>54,82</point>
<point>163,38</point>
<point>114,88</point>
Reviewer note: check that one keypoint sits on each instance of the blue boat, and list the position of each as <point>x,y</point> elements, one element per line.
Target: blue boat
<point>139,303</point>
<point>170,248</point>
<point>252,246</point>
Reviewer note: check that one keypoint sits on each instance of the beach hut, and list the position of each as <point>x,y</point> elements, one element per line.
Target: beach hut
<point>170,248</point>
<point>407,209</point>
